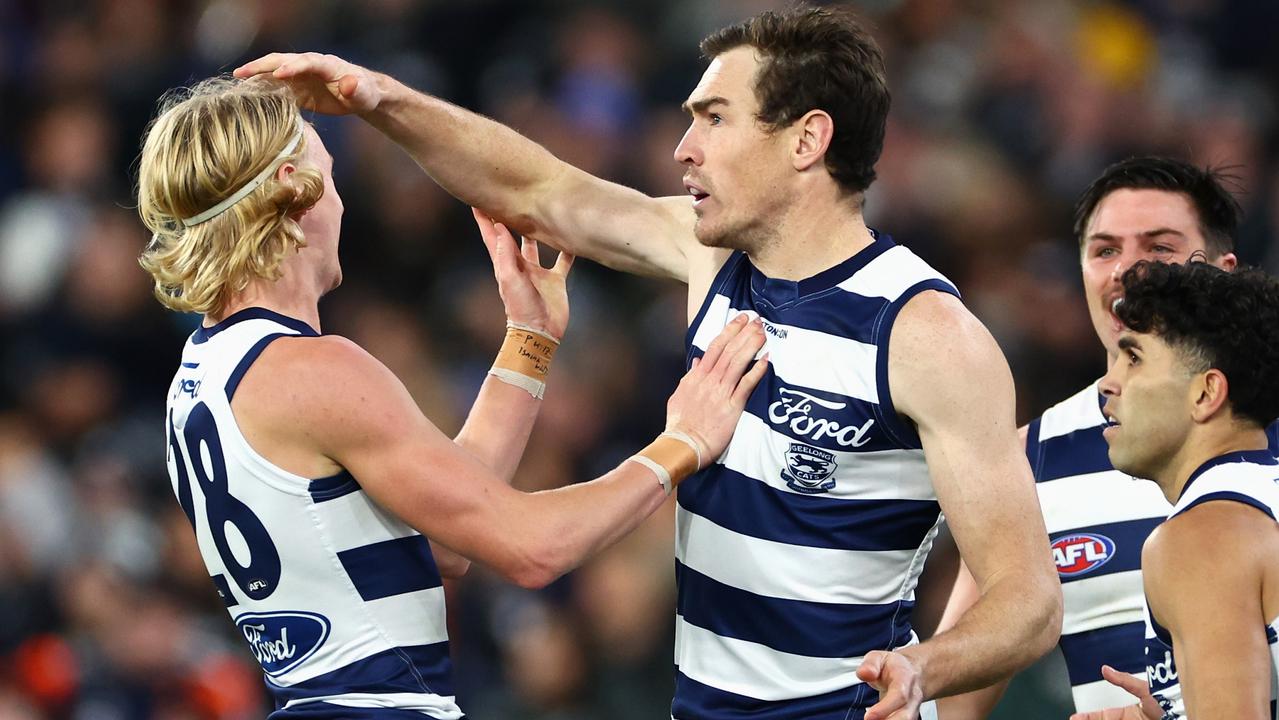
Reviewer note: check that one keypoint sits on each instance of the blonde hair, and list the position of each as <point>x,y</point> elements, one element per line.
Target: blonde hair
<point>207,142</point>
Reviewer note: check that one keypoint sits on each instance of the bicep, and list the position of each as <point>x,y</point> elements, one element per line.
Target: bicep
<point>951,379</point>
<point>616,226</point>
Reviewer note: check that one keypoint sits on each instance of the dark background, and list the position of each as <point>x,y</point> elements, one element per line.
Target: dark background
<point>1003,110</point>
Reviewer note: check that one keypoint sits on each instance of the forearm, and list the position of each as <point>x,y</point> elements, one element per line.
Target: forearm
<point>563,527</point>
<point>477,160</point>
<point>497,429</point>
<point>1016,621</point>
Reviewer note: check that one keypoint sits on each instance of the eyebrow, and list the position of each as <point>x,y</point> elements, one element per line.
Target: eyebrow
<point>694,107</point>
<point>1148,234</point>
<point>1128,342</point>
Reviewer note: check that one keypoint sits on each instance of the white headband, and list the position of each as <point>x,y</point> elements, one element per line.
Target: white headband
<point>249,187</point>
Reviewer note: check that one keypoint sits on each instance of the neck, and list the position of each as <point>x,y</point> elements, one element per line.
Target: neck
<point>1196,451</point>
<point>813,236</point>
<point>285,296</point>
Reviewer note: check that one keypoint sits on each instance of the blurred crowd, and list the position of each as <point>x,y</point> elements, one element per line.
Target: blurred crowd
<point>1003,111</point>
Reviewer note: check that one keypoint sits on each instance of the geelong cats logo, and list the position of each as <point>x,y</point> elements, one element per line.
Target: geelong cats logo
<point>809,469</point>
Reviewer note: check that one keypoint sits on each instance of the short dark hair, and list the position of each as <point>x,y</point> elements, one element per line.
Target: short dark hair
<point>818,58</point>
<point>1216,319</point>
<point>1218,211</point>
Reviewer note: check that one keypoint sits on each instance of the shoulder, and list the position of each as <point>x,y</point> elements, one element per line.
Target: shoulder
<point>1210,542</point>
<point>935,336</point>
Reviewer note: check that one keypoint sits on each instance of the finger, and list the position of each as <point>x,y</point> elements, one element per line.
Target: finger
<point>1134,685</point>
<point>489,234</point>
<point>747,384</point>
<point>264,64</point>
<point>528,250</point>
<point>695,363</point>
<point>348,85</point>
<point>739,352</point>
<point>299,64</point>
<point>871,666</point>
<point>563,264</point>
<point>730,331</point>
<point>888,706</point>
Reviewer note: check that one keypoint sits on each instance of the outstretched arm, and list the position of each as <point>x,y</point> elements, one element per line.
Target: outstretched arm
<point>511,178</point>
<point>949,377</point>
<point>359,415</point>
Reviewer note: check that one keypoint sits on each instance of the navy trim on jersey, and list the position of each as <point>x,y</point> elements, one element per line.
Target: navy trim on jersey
<point>242,367</point>
<point>397,670</point>
<point>786,625</point>
<point>779,294</point>
<point>1229,495</point>
<point>1034,449</point>
<point>391,567</point>
<point>1128,537</point>
<point>325,711</point>
<point>1119,646</point>
<point>697,700</point>
<point>333,487</point>
<point>1256,457</point>
<point>1272,434</point>
<point>1079,452</point>
<point>885,412</point>
<point>735,501</point>
<point>190,365</point>
<point>725,273</point>
<point>203,333</point>
<point>224,590</point>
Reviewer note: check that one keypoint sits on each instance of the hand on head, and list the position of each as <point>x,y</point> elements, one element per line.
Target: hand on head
<point>322,83</point>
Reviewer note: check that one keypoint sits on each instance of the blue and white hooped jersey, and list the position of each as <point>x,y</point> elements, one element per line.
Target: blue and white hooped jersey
<point>797,552</point>
<point>1098,519</point>
<point>1252,478</point>
<point>340,601</point>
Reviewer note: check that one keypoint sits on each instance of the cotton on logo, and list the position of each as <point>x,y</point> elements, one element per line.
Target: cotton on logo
<point>1081,553</point>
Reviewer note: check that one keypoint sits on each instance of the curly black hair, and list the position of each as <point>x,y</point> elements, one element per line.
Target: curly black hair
<point>1218,319</point>
<point>1218,211</point>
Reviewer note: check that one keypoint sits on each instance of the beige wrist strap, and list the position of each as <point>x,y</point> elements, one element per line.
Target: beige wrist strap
<point>525,358</point>
<point>672,457</point>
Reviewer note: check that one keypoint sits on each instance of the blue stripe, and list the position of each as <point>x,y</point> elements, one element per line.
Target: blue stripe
<point>1034,450</point>
<point>749,507</point>
<point>1119,646</point>
<point>1272,433</point>
<point>798,627</point>
<point>325,711</point>
<point>887,413</point>
<point>776,292</point>
<point>855,414</point>
<point>410,669</point>
<point>190,365</point>
<point>1255,457</point>
<point>333,487</point>
<point>224,590</point>
<point>722,279</point>
<point>391,567</point>
<point>242,367</point>
<point>202,334</point>
<point>1128,536</point>
<point>1076,453</point>
<point>1232,496</point>
<point>696,701</point>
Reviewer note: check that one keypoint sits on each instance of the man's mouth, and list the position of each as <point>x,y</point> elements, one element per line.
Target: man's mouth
<point>696,192</point>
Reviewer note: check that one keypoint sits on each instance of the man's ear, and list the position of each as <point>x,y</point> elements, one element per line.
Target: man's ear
<point>813,134</point>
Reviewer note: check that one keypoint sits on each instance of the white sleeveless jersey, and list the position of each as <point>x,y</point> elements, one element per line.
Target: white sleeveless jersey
<point>340,602</point>
<point>1097,519</point>
<point>798,550</point>
<point>1251,478</point>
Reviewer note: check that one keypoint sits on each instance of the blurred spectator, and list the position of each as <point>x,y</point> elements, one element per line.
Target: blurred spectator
<point>1002,112</point>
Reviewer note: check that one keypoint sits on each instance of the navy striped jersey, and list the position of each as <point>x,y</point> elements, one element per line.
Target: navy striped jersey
<point>340,602</point>
<point>1251,478</point>
<point>1098,519</point>
<point>798,550</point>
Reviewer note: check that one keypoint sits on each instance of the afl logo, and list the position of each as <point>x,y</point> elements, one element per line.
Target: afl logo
<point>809,469</point>
<point>1081,553</point>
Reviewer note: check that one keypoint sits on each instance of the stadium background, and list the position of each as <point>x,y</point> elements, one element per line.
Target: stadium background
<point>1003,110</point>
